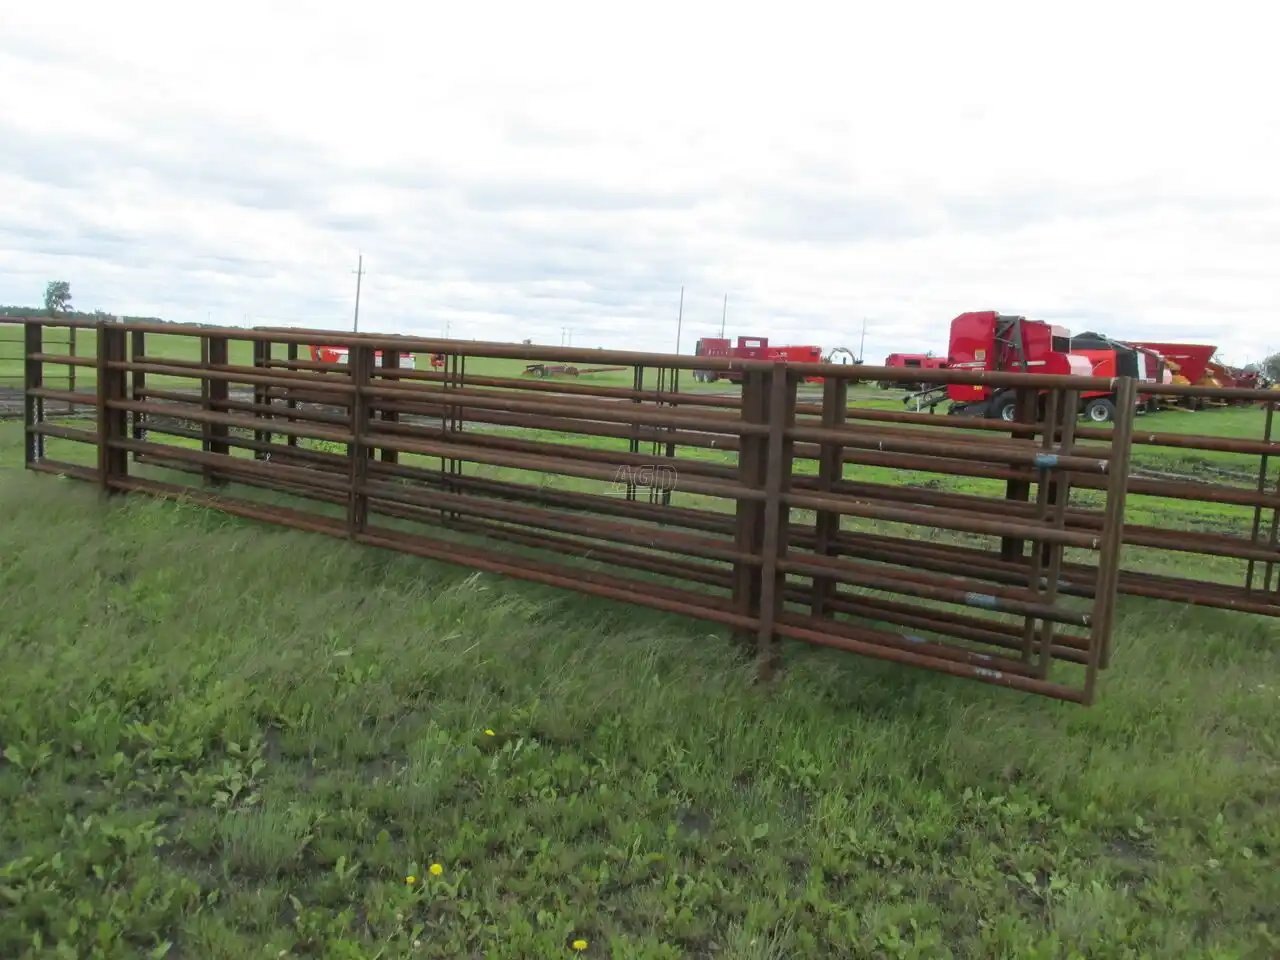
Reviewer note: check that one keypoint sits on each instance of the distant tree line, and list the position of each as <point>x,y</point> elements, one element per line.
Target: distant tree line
<point>57,303</point>
<point>9,310</point>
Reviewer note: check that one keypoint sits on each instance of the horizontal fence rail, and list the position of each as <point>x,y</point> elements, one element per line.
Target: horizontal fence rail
<point>981,549</point>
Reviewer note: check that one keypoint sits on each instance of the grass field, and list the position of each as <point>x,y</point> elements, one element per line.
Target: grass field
<point>241,352</point>
<point>226,740</point>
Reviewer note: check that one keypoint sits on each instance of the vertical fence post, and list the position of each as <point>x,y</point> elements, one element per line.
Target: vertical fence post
<point>655,445</point>
<point>835,405</point>
<point>1042,553</point>
<point>671,447</point>
<point>33,379</point>
<point>633,442</point>
<point>782,401</point>
<point>390,361</point>
<point>1062,433</point>
<point>113,347</point>
<point>749,521</point>
<point>291,352</point>
<point>1025,411</point>
<point>360,365</point>
<point>1262,489</point>
<point>71,349</point>
<point>1112,535</point>
<point>215,393</point>
<point>138,390</point>
<point>261,395</point>
<point>451,425</point>
<point>1275,528</point>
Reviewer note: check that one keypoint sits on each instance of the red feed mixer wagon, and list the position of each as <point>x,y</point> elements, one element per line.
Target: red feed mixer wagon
<point>1193,363</point>
<point>749,348</point>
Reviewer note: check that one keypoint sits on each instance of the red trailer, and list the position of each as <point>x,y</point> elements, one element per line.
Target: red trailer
<point>749,348</point>
<point>339,355</point>
<point>918,361</point>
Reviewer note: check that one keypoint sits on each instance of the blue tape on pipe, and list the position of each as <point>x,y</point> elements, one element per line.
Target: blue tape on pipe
<point>1046,461</point>
<point>984,600</point>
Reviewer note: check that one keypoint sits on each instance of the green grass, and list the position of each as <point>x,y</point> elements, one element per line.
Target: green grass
<point>227,740</point>
<point>171,346</point>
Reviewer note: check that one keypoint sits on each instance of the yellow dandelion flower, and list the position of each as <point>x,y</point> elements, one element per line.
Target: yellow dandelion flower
<point>579,944</point>
<point>435,869</point>
<point>411,879</point>
<point>489,733</point>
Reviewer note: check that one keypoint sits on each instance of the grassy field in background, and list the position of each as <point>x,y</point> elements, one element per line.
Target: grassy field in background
<point>228,740</point>
<point>177,347</point>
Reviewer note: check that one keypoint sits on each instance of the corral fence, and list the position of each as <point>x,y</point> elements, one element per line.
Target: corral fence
<point>980,549</point>
<point>65,339</point>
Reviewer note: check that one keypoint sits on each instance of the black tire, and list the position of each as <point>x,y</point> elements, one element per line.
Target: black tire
<point>1005,408</point>
<point>1100,410</point>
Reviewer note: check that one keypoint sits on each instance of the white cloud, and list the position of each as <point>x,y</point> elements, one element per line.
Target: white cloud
<point>515,169</point>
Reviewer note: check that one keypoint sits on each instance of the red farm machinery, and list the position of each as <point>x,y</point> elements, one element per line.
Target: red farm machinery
<point>910,361</point>
<point>339,355</point>
<point>991,341</point>
<point>748,348</point>
<point>1194,363</point>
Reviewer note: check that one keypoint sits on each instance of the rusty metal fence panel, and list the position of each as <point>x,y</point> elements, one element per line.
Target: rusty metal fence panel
<point>764,511</point>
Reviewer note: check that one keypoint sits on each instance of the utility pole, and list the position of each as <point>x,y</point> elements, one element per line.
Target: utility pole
<point>359,272</point>
<point>862,346</point>
<point>680,318</point>
<point>724,313</point>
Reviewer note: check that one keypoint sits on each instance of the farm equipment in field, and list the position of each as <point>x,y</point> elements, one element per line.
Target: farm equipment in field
<point>1190,363</point>
<point>1112,358</point>
<point>916,361</point>
<point>991,341</point>
<point>749,348</point>
<point>564,370</point>
<point>1153,368</point>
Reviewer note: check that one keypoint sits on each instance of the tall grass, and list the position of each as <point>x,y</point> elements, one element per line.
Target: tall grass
<point>227,740</point>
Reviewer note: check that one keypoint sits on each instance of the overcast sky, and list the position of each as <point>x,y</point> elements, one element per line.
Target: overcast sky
<point>512,170</point>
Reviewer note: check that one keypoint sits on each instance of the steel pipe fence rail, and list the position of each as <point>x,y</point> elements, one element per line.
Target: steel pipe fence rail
<point>766,512</point>
<point>15,351</point>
